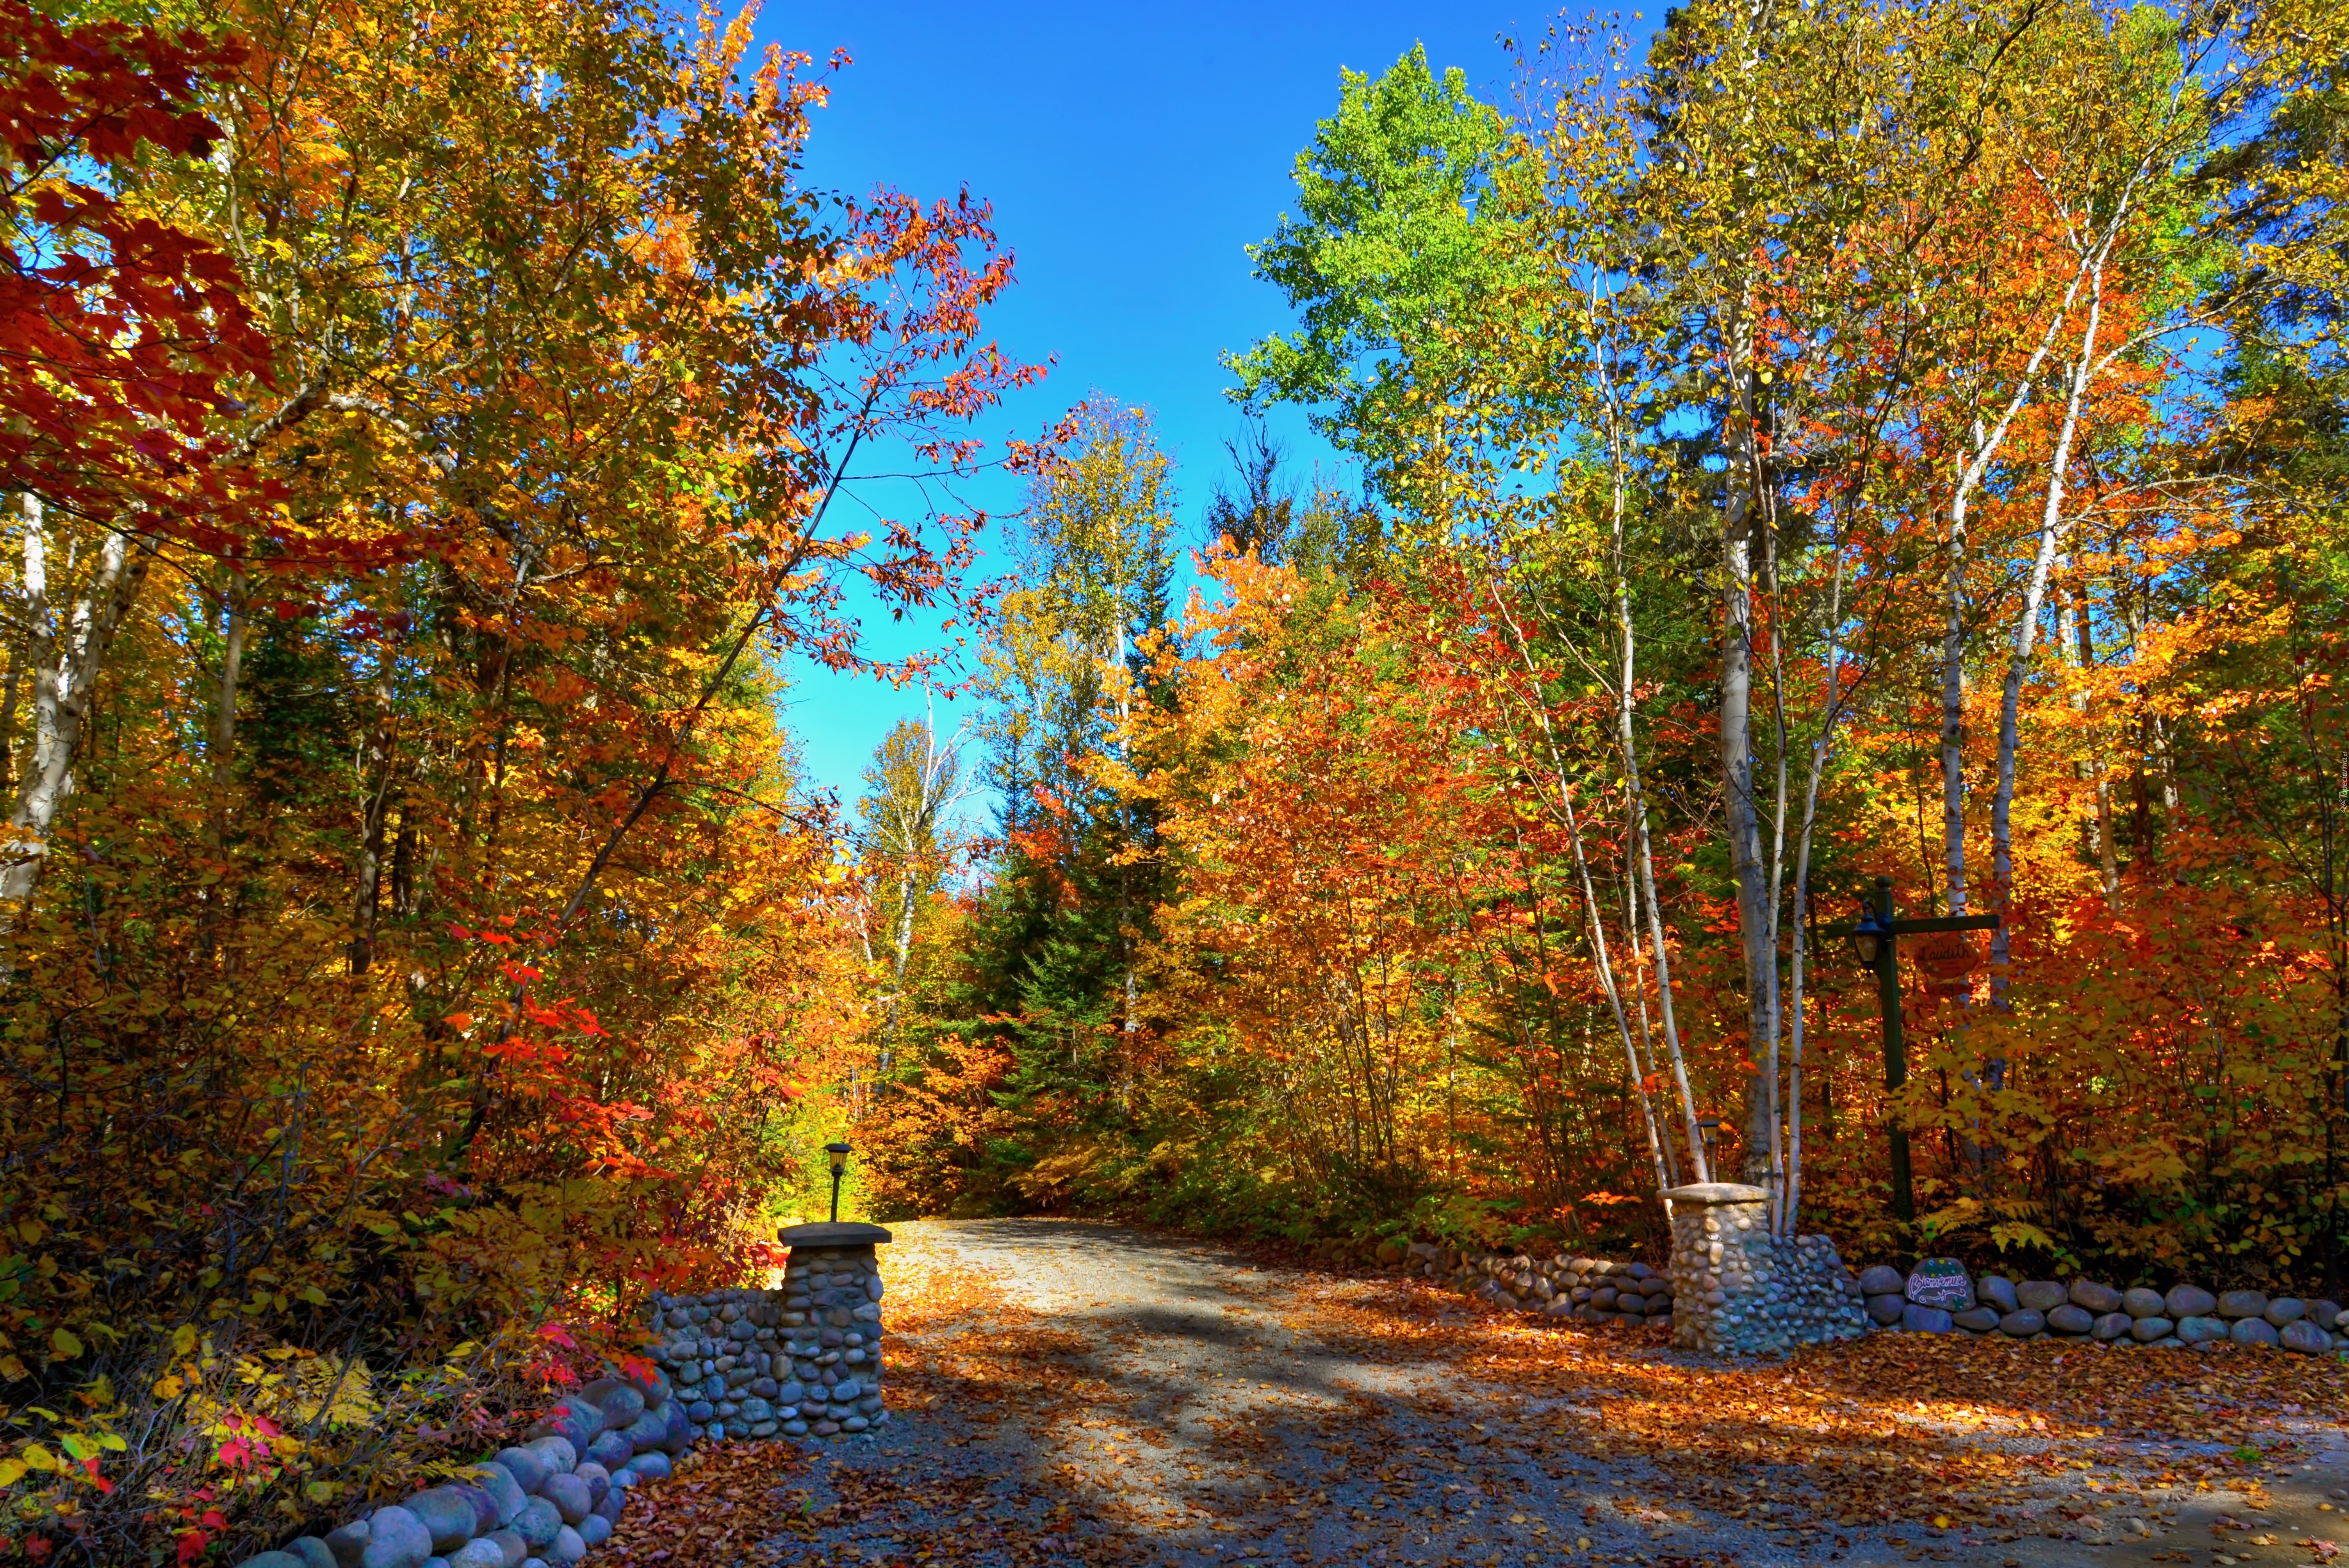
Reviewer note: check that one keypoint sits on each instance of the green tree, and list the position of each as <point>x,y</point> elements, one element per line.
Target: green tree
<point>1397,247</point>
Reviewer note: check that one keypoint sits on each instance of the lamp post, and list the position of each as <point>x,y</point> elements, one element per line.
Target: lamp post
<point>1875,943</point>
<point>839,1152</point>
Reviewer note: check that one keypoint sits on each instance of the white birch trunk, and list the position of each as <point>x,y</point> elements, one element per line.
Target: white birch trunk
<point>2051,527</point>
<point>65,647</point>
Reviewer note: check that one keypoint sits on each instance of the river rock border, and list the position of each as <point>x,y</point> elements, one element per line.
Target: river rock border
<point>1589,1291</point>
<point>546,1500</point>
<point>800,1361</point>
<point>1775,1296</point>
<point>1939,1297</point>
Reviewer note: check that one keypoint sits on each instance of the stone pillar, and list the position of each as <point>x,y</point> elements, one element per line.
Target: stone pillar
<point>1722,1262</point>
<point>831,1329</point>
<point>1738,1292</point>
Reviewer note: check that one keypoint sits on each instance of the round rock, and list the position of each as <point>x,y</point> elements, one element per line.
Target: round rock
<point>1941,1283</point>
<point>449,1515</point>
<point>2257,1332</point>
<point>611,1451</point>
<point>654,1389</point>
<point>568,1548</point>
<point>2042,1295</point>
<point>2238,1303</point>
<point>570,1496</point>
<point>2186,1301</point>
<point>648,1467</point>
<point>1919,1319</point>
<point>2023,1322</point>
<point>1887,1308</point>
<point>2285,1309</point>
<point>645,1432</point>
<point>396,1539</point>
<point>1977,1319</point>
<point>528,1467</point>
<point>2145,1330</point>
<point>314,1553</point>
<point>2200,1330</point>
<point>2143,1303</point>
<point>1998,1291</point>
<point>1880,1279</point>
<point>573,1419</point>
<point>2070,1319</point>
<point>2305,1337</point>
<point>2094,1299</point>
<point>482,1554</point>
<point>348,1544</point>
<point>620,1402</point>
<point>2112,1325</point>
<point>562,1455</point>
<point>505,1493</point>
<point>537,1523</point>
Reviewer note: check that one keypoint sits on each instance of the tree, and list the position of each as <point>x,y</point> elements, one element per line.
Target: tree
<point>437,849</point>
<point>1395,249</point>
<point>121,341</point>
<point>915,783</point>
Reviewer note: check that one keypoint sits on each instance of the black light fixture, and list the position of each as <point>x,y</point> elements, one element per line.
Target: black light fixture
<point>1707,1126</point>
<point>839,1152</point>
<point>1868,934</point>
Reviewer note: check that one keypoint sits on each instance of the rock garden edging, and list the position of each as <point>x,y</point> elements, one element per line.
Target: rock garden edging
<point>800,1361</point>
<point>1825,1300</point>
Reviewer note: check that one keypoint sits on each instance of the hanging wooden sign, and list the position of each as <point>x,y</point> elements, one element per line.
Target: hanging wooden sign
<point>1948,960</point>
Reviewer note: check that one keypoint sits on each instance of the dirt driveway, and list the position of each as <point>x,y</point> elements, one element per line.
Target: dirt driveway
<point>1074,1391</point>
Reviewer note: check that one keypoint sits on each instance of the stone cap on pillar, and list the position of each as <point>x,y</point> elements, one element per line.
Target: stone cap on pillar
<point>832,1233</point>
<point>1718,1192</point>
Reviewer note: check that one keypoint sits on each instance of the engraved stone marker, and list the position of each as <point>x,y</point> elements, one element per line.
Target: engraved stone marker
<point>1942,1283</point>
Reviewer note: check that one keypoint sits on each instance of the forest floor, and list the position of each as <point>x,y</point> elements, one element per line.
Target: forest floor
<point>1081,1393</point>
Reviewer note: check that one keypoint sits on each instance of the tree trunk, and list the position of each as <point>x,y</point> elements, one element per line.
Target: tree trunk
<point>1742,820</point>
<point>220,754</point>
<point>1594,918</point>
<point>67,658</point>
<point>2108,865</point>
<point>1953,705</point>
<point>376,772</point>
<point>222,749</point>
<point>2051,527</point>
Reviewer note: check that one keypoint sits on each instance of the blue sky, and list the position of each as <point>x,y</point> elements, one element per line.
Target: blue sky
<point>1131,152</point>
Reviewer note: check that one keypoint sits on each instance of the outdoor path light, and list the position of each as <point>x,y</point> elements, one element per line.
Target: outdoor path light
<point>839,1152</point>
<point>1875,943</point>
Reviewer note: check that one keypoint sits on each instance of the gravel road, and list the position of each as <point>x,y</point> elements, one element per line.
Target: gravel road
<point>1086,1392</point>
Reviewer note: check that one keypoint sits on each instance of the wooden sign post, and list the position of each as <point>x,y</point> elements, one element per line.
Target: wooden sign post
<point>1875,938</point>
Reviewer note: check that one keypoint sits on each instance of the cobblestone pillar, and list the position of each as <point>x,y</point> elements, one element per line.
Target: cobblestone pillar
<point>831,1329</point>
<point>1740,1292</point>
<point>1722,1262</point>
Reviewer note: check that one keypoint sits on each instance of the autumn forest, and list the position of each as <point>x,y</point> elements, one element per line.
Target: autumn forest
<point>1902,439</point>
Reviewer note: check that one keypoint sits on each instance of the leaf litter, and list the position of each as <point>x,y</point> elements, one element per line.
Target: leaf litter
<point>1203,1412</point>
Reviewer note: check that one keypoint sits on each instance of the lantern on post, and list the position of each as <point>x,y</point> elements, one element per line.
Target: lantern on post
<point>839,1154</point>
